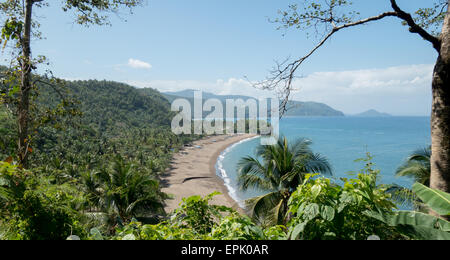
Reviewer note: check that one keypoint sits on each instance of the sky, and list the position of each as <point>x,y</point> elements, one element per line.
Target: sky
<point>216,45</point>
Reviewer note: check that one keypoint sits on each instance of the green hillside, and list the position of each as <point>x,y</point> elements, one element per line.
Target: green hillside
<point>109,104</point>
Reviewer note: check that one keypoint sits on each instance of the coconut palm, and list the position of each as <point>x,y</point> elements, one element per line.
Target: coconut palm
<point>417,167</point>
<point>282,169</point>
<point>129,191</point>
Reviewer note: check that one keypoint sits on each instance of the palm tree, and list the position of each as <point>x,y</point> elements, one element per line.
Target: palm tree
<point>417,167</point>
<point>129,191</point>
<point>282,169</point>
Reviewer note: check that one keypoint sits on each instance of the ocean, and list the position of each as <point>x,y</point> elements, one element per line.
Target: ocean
<point>342,140</point>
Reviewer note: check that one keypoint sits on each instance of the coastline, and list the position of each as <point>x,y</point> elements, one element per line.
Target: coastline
<point>193,172</point>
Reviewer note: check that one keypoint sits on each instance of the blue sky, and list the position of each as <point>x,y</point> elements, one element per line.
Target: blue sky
<point>212,44</point>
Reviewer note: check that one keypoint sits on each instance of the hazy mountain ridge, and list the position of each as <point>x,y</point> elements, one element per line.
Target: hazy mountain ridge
<point>372,113</point>
<point>295,108</point>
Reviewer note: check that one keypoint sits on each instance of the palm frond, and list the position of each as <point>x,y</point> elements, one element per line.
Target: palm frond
<point>316,163</point>
<point>403,196</point>
<point>417,166</point>
<point>265,208</point>
<point>253,174</point>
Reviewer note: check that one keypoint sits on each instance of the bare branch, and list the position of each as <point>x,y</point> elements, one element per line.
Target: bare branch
<point>283,74</point>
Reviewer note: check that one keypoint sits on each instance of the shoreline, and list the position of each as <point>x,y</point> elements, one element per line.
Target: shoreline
<point>193,172</point>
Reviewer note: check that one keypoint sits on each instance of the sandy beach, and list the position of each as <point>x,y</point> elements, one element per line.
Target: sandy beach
<point>193,172</point>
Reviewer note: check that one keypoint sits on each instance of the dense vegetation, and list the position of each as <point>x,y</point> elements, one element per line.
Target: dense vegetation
<point>318,210</point>
<point>98,168</point>
<point>94,174</point>
<point>282,170</point>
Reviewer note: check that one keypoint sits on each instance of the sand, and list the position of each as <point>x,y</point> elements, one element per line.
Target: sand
<point>193,172</point>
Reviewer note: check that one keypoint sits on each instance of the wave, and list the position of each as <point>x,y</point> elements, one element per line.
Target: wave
<point>222,173</point>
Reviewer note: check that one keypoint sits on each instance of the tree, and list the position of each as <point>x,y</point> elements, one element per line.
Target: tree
<point>417,167</point>
<point>127,191</point>
<point>19,26</point>
<point>331,16</point>
<point>283,168</point>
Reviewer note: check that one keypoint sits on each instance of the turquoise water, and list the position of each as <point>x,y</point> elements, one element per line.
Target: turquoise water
<point>342,140</point>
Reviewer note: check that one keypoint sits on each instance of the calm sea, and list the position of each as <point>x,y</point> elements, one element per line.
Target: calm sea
<point>342,140</point>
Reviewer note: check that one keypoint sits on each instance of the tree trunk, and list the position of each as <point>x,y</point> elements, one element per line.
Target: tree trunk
<point>440,115</point>
<point>25,86</point>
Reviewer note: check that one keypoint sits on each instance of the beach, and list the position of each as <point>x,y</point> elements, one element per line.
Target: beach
<point>193,172</point>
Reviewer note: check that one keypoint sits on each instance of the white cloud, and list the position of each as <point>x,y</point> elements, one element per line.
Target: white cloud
<point>404,90</point>
<point>137,64</point>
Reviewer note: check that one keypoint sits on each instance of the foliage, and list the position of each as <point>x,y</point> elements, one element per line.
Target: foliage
<point>8,135</point>
<point>417,167</point>
<point>195,213</point>
<point>215,223</point>
<point>90,12</point>
<point>33,208</point>
<point>437,200</point>
<point>307,15</point>
<point>320,209</point>
<point>19,87</point>
<point>432,17</point>
<point>125,191</point>
<point>121,133</point>
<point>419,225</point>
<point>282,170</point>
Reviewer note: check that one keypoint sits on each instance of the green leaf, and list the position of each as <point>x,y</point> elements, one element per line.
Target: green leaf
<point>96,234</point>
<point>327,213</point>
<point>425,233</point>
<point>298,230</point>
<point>315,190</point>
<point>438,200</point>
<point>129,237</point>
<point>412,218</point>
<point>311,211</point>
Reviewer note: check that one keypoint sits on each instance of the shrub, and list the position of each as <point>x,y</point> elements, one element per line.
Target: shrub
<point>34,209</point>
<point>320,209</point>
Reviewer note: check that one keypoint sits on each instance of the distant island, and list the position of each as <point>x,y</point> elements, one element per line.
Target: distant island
<point>295,108</point>
<point>372,113</point>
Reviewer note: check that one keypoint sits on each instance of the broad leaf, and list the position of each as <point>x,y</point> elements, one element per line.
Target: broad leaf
<point>438,200</point>
<point>327,213</point>
<point>311,211</point>
<point>297,230</point>
<point>425,233</point>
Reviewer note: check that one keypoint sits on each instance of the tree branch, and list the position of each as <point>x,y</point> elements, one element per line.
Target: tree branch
<point>414,28</point>
<point>282,75</point>
<point>285,74</point>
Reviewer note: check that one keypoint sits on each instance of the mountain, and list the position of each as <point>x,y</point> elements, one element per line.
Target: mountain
<point>107,104</point>
<point>117,121</point>
<point>372,113</point>
<point>295,108</point>
<point>113,105</point>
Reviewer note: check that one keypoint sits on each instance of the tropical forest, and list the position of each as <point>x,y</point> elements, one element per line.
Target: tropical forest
<point>87,157</point>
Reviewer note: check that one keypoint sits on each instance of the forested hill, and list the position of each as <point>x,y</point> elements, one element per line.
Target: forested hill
<point>111,104</point>
<point>108,103</point>
<point>116,120</point>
